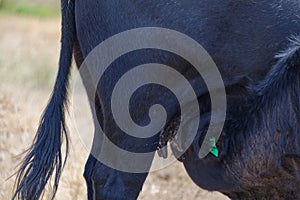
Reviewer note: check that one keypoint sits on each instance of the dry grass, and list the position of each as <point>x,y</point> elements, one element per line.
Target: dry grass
<point>29,54</point>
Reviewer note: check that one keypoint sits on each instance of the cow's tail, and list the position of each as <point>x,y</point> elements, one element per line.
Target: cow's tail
<point>44,157</point>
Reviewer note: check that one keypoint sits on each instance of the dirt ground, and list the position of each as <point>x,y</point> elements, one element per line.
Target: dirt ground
<point>29,50</point>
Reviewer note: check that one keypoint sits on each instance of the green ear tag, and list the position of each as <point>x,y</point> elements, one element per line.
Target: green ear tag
<point>214,150</point>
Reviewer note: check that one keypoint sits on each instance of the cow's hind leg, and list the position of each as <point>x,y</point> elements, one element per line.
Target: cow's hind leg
<point>104,182</point>
<point>88,171</point>
<point>109,183</point>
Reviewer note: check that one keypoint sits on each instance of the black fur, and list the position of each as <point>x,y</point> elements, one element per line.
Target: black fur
<point>265,132</point>
<point>242,37</point>
<point>44,157</point>
<point>261,159</point>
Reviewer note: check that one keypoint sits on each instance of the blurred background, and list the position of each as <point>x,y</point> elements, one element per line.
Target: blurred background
<point>29,52</point>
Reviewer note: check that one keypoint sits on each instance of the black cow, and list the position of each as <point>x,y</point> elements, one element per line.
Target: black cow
<point>260,141</point>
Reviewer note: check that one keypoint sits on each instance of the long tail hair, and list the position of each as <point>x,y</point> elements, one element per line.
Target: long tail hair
<point>44,157</point>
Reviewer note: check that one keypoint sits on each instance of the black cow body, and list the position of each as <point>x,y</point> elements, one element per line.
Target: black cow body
<point>260,141</point>
<point>242,38</point>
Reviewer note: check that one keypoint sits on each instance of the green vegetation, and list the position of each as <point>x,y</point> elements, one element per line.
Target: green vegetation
<point>32,9</point>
